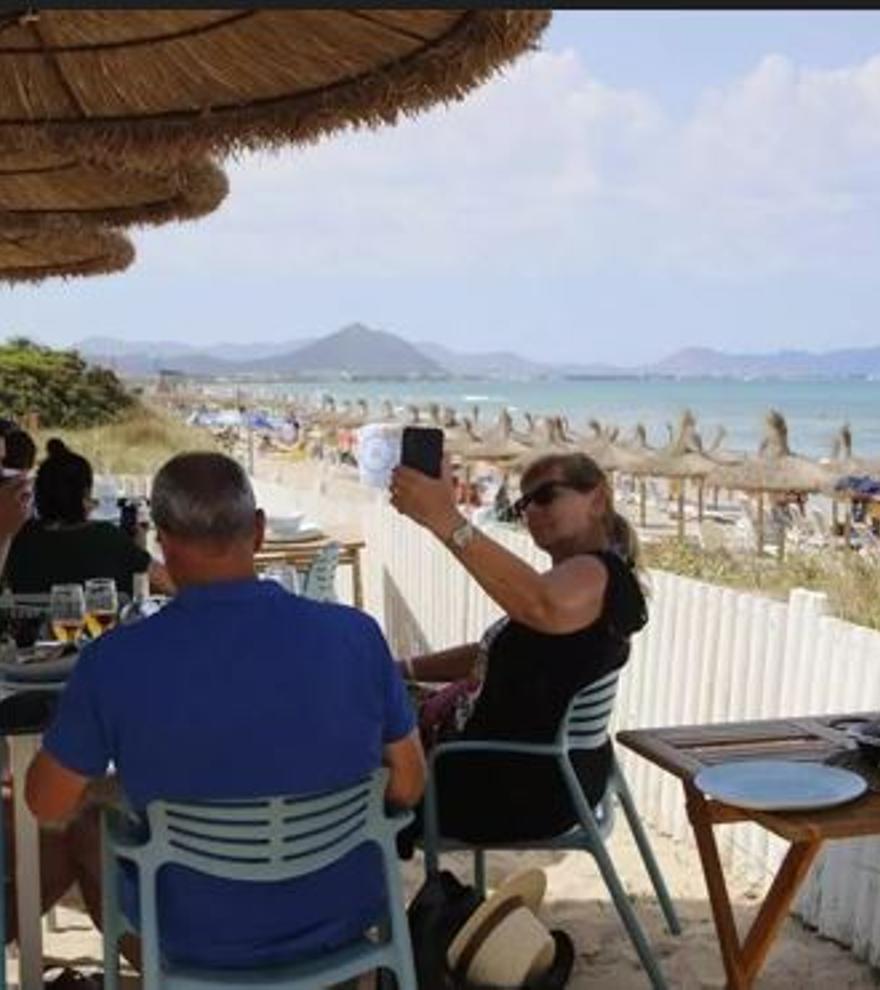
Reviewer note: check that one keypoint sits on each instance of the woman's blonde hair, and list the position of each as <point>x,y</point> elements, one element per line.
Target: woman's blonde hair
<point>584,474</point>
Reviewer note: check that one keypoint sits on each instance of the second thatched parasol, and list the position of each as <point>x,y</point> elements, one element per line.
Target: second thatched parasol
<point>51,191</point>
<point>162,85</point>
<point>35,257</point>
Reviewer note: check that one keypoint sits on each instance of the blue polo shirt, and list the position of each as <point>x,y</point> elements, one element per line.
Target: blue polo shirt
<point>235,690</point>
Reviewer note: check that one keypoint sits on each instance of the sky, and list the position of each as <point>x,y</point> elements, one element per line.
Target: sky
<point>644,182</point>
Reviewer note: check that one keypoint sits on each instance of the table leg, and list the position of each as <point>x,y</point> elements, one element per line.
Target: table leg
<point>357,580</point>
<point>774,910</point>
<point>27,866</point>
<point>742,962</point>
<point>725,924</point>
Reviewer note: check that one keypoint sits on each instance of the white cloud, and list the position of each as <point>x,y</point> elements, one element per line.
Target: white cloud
<point>548,170</point>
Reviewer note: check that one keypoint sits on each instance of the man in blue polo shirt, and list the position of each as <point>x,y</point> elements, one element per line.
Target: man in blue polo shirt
<point>235,689</point>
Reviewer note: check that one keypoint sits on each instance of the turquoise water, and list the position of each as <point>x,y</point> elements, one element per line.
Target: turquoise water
<point>814,410</point>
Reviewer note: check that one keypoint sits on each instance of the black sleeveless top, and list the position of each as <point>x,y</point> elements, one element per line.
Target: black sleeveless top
<point>530,679</point>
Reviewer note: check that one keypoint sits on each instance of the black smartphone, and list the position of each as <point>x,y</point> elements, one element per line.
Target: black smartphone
<point>421,448</point>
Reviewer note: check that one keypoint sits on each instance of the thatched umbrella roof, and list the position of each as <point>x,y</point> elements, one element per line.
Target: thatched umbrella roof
<point>37,256</point>
<point>718,453</point>
<point>161,84</point>
<point>46,190</point>
<point>547,437</point>
<point>775,469</point>
<point>499,443</point>
<point>458,439</point>
<point>843,462</point>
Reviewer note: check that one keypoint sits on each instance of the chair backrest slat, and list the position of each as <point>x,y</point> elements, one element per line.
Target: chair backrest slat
<point>585,725</point>
<point>266,840</point>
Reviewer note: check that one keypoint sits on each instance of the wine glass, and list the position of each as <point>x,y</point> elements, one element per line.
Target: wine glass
<point>67,611</point>
<point>102,605</point>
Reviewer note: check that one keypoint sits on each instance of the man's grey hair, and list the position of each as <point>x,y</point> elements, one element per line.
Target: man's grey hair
<point>202,495</point>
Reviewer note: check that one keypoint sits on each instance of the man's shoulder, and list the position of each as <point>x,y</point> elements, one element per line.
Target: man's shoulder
<point>125,642</point>
<point>335,614</point>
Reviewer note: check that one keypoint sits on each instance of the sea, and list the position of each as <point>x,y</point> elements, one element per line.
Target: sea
<point>814,410</point>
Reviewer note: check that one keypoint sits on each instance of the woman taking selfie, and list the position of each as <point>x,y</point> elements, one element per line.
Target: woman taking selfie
<point>563,630</point>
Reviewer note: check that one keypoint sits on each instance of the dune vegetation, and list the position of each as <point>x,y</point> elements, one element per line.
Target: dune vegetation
<point>851,580</point>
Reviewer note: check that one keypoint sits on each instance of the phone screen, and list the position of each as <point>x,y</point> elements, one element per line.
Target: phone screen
<point>422,449</point>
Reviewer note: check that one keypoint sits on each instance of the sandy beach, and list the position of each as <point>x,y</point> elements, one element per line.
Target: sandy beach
<point>578,903</point>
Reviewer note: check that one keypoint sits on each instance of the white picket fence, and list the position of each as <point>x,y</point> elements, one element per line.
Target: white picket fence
<point>708,654</point>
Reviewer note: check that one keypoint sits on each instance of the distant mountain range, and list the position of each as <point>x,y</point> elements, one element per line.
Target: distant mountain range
<point>357,351</point>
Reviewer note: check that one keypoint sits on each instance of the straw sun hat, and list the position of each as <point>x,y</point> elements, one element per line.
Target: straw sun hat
<point>504,944</point>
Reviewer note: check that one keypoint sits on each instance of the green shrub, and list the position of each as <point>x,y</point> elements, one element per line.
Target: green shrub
<point>59,386</point>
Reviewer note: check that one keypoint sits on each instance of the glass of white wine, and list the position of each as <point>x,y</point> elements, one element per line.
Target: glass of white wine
<point>67,611</point>
<point>102,605</point>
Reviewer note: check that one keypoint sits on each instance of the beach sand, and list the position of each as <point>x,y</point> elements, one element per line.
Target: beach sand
<point>578,903</point>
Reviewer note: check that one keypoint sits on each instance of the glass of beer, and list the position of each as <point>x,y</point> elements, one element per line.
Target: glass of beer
<point>67,611</point>
<point>102,605</point>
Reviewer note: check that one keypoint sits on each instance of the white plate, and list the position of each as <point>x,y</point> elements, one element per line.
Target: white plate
<point>779,785</point>
<point>307,531</point>
<point>286,526</point>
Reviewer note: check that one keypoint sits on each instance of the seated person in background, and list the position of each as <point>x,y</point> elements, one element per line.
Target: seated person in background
<point>62,545</point>
<point>21,451</point>
<point>236,689</point>
<point>16,495</point>
<point>61,850</point>
<point>563,630</point>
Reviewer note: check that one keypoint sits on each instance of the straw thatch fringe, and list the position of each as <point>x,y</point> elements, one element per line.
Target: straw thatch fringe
<point>35,257</point>
<point>52,192</point>
<point>161,86</point>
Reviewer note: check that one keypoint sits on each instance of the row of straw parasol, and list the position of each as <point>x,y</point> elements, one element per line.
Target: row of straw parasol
<point>115,118</point>
<point>774,470</point>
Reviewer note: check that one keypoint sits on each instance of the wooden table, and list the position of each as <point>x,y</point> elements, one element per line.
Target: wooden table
<point>301,553</point>
<point>685,750</point>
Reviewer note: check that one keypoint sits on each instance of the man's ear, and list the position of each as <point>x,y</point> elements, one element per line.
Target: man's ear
<point>259,529</point>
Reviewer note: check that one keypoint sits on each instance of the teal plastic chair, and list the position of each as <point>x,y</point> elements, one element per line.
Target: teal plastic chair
<point>259,841</point>
<point>584,727</point>
<point>320,580</point>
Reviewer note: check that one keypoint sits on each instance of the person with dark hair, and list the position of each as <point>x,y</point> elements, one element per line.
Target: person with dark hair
<point>563,630</point>
<point>21,451</point>
<point>236,689</point>
<point>61,545</point>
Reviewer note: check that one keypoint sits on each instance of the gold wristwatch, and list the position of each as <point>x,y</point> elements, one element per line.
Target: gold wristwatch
<point>461,536</point>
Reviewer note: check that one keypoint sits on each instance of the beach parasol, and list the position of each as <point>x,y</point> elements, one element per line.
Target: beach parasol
<point>459,438</point>
<point>546,437</point>
<point>173,84</point>
<point>850,474</point>
<point>499,445</point>
<point>32,257</point>
<point>775,469</point>
<point>50,191</point>
<point>843,462</point>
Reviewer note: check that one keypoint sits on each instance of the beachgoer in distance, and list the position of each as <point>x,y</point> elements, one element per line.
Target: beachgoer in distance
<point>236,689</point>
<point>62,545</point>
<point>563,629</point>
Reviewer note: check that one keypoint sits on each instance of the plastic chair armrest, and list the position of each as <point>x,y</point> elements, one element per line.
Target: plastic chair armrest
<point>398,818</point>
<point>510,746</point>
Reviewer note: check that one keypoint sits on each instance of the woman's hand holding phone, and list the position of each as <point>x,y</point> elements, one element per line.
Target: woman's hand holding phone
<point>426,500</point>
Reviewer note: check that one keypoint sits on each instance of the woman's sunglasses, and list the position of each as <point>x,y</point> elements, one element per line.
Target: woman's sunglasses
<point>543,495</point>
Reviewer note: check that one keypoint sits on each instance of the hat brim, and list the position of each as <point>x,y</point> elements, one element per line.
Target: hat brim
<point>528,887</point>
<point>560,969</point>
